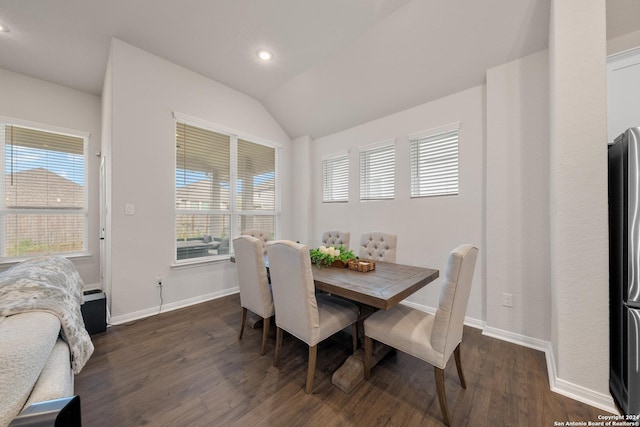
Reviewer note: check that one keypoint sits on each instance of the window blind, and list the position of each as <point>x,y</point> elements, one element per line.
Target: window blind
<point>202,185</point>
<point>434,164</point>
<point>377,172</point>
<point>256,187</point>
<point>202,168</point>
<point>44,204</point>
<point>224,185</point>
<point>335,179</point>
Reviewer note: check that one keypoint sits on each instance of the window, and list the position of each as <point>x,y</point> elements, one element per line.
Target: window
<point>224,185</point>
<point>377,171</point>
<point>434,162</point>
<point>335,178</point>
<point>43,205</point>
<point>256,188</point>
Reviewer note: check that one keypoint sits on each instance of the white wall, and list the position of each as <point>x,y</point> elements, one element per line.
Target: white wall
<point>303,194</point>
<point>578,198</point>
<point>622,43</point>
<point>145,91</point>
<point>427,228</point>
<point>623,92</point>
<point>38,101</point>
<point>517,198</point>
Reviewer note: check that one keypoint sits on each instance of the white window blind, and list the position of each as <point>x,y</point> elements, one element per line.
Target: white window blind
<point>224,185</point>
<point>434,163</point>
<point>335,178</point>
<point>377,172</point>
<point>256,188</point>
<point>43,205</point>
<point>202,190</point>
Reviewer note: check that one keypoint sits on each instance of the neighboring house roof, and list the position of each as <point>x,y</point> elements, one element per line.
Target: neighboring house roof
<point>41,188</point>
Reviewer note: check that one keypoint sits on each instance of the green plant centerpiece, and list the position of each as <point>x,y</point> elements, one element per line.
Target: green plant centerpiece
<point>331,256</point>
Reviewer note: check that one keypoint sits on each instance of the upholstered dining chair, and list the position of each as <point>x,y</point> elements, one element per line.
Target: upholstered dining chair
<point>378,246</point>
<point>255,293</point>
<point>336,238</point>
<point>301,312</point>
<point>423,335</point>
<point>258,234</point>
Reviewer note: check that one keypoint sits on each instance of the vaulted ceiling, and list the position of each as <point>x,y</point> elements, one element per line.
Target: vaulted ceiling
<point>336,64</point>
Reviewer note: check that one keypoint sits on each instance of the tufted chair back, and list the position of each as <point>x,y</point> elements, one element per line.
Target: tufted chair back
<point>260,235</point>
<point>378,246</point>
<point>448,324</point>
<point>336,238</point>
<point>255,293</point>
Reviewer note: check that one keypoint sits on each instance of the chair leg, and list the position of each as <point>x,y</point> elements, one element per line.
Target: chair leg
<point>456,354</point>
<point>242,322</point>
<point>311,369</point>
<point>276,356</point>
<point>265,334</point>
<point>354,336</point>
<point>442,397</point>
<point>368,350</point>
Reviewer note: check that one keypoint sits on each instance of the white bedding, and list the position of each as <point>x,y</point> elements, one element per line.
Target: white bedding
<point>50,284</point>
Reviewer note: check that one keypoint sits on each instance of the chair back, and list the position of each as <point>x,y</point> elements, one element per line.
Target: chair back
<point>255,293</point>
<point>454,297</point>
<point>378,246</point>
<point>293,289</point>
<point>336,238</point>
<point>258,234</point>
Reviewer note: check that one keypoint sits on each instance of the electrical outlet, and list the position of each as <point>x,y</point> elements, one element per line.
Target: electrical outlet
<point>507,300</point>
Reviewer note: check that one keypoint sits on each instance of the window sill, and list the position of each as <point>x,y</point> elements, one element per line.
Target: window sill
<point>196,262</point>
<point>10,262</point>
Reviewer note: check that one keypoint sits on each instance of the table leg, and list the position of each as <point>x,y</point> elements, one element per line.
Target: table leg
<point>351,373</point>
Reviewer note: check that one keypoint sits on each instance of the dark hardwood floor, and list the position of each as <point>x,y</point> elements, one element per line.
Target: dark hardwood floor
<point>187,368</point>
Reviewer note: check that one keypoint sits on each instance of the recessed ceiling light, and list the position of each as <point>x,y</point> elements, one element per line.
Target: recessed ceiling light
<point>4,28</point>
<point>264,54</point>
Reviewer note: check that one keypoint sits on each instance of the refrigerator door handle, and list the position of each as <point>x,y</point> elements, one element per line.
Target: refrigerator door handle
<point>633,384</point>
<point>634,215</point>
<point>634,328</point>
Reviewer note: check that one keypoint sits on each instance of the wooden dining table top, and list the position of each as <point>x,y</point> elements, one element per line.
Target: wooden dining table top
<point>382,288</point>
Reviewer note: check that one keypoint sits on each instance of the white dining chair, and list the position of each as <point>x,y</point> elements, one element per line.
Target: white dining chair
<point>336,239</point>
<point>261,235</point>
<point>255,292</point>
<point>377,246</point>
<point>308,316</point>
<point>423,335</point>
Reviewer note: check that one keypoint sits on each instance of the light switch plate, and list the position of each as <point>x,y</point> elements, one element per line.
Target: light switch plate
<point>129,209</point>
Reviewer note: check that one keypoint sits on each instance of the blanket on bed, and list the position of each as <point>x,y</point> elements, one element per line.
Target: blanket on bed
<point>51,284</point>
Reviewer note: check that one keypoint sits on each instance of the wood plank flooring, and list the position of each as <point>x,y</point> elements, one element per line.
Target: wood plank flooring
<point>187,368</point>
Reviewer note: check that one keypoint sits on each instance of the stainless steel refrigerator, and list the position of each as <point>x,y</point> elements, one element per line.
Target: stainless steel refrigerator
<point>624,271</point>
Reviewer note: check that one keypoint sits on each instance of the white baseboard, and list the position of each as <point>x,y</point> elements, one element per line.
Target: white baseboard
<point>557,385</point>
<point>420,307</point>
<point>512,337</point>
<point>577,392</point>
<point>118,320</point>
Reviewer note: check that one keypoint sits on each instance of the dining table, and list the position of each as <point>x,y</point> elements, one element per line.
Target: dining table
<point>379,289</point>
<point>382,288</point>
